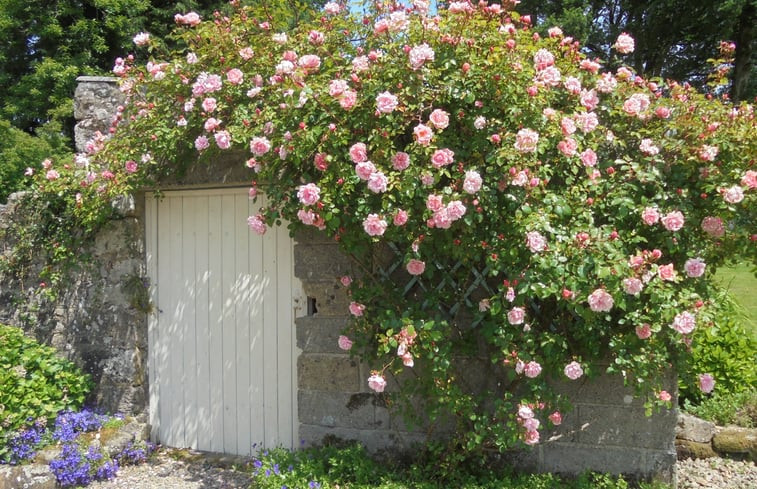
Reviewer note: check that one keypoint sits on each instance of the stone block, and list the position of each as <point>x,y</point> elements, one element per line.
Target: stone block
<point>735,440</point>
<point>34,476</point>
<point>317,334</point>
<point>331,298</point>
<point>321,262</point>
<point>374,440</point>
<point>694,429</point>
<point>312,235</point>
<point>693,449</point>
<point>328,372</point>
<point>625,426</point>
<point>339,409</point>
<point>573,458</point>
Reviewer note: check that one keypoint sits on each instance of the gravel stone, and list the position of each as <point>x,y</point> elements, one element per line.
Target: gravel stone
<point>716,473</point>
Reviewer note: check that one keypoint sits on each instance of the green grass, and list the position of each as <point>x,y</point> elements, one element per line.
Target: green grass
<point>742,284</point>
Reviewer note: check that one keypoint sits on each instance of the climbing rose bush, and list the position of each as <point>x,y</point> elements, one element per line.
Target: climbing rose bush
<point>546,215</point>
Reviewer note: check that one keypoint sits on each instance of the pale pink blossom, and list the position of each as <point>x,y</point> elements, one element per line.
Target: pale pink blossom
<point>589,99</point>
<point>191,19</point>
<point>434,202</point>
<point>713,226</point>
<point>377,182</point>
<point>708,153</point>
<point>666,272</point>
<point>684,322</point>
<point>309,194</point>
<point>535,241</point>
<point>209,104</point>
<point>520,366</point>
<point>316,38</point>
<point>130,166</point>
<point>733,195</point>
<point>423,134</point>
<point>568,126</point>
<point>398,21</point>
<point>201,143</point>
<point>257,224</point>
<point>439,119</point>
<point>590,65</point>
<point>484,305</point>
<point>632,285</point>
<point>572,84</point>
<point>348,99</point>
<point>460,7</point>
<point>400,161</point>
<point>673,221</point>
<point>694,267</point>
<point>573,370</point>
<point>337,87</point>
<point>516,315</point>
<point>309,62</point>
<point>606,83</point>
<point>473,182</point>
<point>480,122</point>
<point>600,301</point>
<point>662,112</point>
<point>206,83</point>
<point>415,267</point>
<point>192,58</point>
<point>306,217</point>
<point>356,309</point>
<point>455,210</point>
<point>520,179</point>
<point>589,158</point>
<point>624,44</point>
<point>377,382</point>
<point>442,157</point>
<point>374,225</point>
<point>556,418</point>
<point>532,369</point>
<point>332,8</point>
<point>52,175</point>
<point>644,331</point>
<point>344,343</point>
<point>280,38</point>
<point>650,216</point>
<point>141,39</point>
<point>386,102</point>
<point>365,169</point>
<point>586,121</point>
<point>749,180</point>
<point>526,140</point>
<point>568,146</point>
<point>360,64</point>
<point>407,359</point>
<point>419,55</point>
<point>223,139</point>
<point>260,146</point>
<point>636,104</point>
<point>543,59</point>
<point>358,153</point>
<point>706,383</point>
<point>531,437</point>
<point>246,53</point>
<point>549,76</point>
<point>531,424</point>
<point>648,147</point>
<point>211,124</point>
<point>400,218</point>
<point>664,396</point>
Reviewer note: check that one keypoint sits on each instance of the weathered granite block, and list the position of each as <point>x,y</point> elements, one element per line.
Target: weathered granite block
<point>339,409</point>
<point>625,426</point>
<point>321,262</point>
<point>331,298</point>
<point>316,334</point>
<point>328,372</point>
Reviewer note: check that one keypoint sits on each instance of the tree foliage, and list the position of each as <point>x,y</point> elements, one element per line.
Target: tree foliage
<point>674,39</point>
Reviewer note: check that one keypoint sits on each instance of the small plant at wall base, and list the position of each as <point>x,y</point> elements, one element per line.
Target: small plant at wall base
<point>508,201</point>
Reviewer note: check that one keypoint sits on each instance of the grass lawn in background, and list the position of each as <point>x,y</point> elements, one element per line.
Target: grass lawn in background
<point>742,284</point>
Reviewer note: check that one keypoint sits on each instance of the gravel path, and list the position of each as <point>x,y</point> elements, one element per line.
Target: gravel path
<point>165,472</point>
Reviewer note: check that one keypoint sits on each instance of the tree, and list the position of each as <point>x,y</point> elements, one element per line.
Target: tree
<point>673,39</point>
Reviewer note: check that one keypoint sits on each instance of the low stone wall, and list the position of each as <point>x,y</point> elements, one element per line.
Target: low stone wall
<point>697,438</point>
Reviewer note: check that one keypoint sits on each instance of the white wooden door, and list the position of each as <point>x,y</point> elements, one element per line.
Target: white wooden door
<point>222,346</point>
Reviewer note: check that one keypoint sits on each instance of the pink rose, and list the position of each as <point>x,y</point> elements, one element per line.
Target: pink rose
<point>586,121</point>
<point>636,104</point>
<point>484,305</point>
<point>520,366</point>
<point>309,62</point>
<point>209,104</point>
<point>201,143</point>
<point>531,424</point>
<point>713,226</point>
<point>573,370</point>
<point>415,267</point>
<point>531,438</point>
<point>526,140</point>
<point>607,83</point>
<point>733,195</point>
<point>706,383</point>
<point>377,182</point>
<point>400,161</point>
<point>316,38</point>
<point>141,39</point>
<point>684,322</point>
<point>749,180</point>
<point>516,315</point>
<point>377,382</point>
<point>589,99</point>
<point>473,182</point>
<point>589,158</point>
<point>666,272</point>
<point>708,153</point>
<point>306,217</point>
<point>644,331</point>
<point>556,418</point>
<point>550,76</point>
<point>624,44</point>
<point>260,146</point>
<point>52,175</point>
<point>423,134</point>
<point>434,202</point>
<point>673,221</point>
<point>600,301</point>
<point>662,112</point>
<point>309,194</point>
<point>455,210</point>
<point>439,119</point>
<point>442,157</point>
<point>348,99</point>
<point>358,153</point>
<point>418,55</point>
<point>364,170</point>
<point>694,267</point>
<point>235,76</point>
<point>532,369</point>
<point>344,343</point>
<point>543,59</point>
<point>191,19</point>
<point>407,359</point>
<point>568,146</point>
<point>650,216</point>
<point>130,166</point>
<point>535,242</point>
<point>573,85</point>
<point>332,8</point>
<point>664,396</point>
<point>374,225</point>
<point>337,87</point>
<point>386,102</point>
<point>356,309</point>
<point>400,218</point>
<point>648,148</point>
<point>257,224</point>
<point>223,139</point>
<point>212,124</point>
<point>632,285</point>
<point>345,280</point>
<point>246,53</point>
